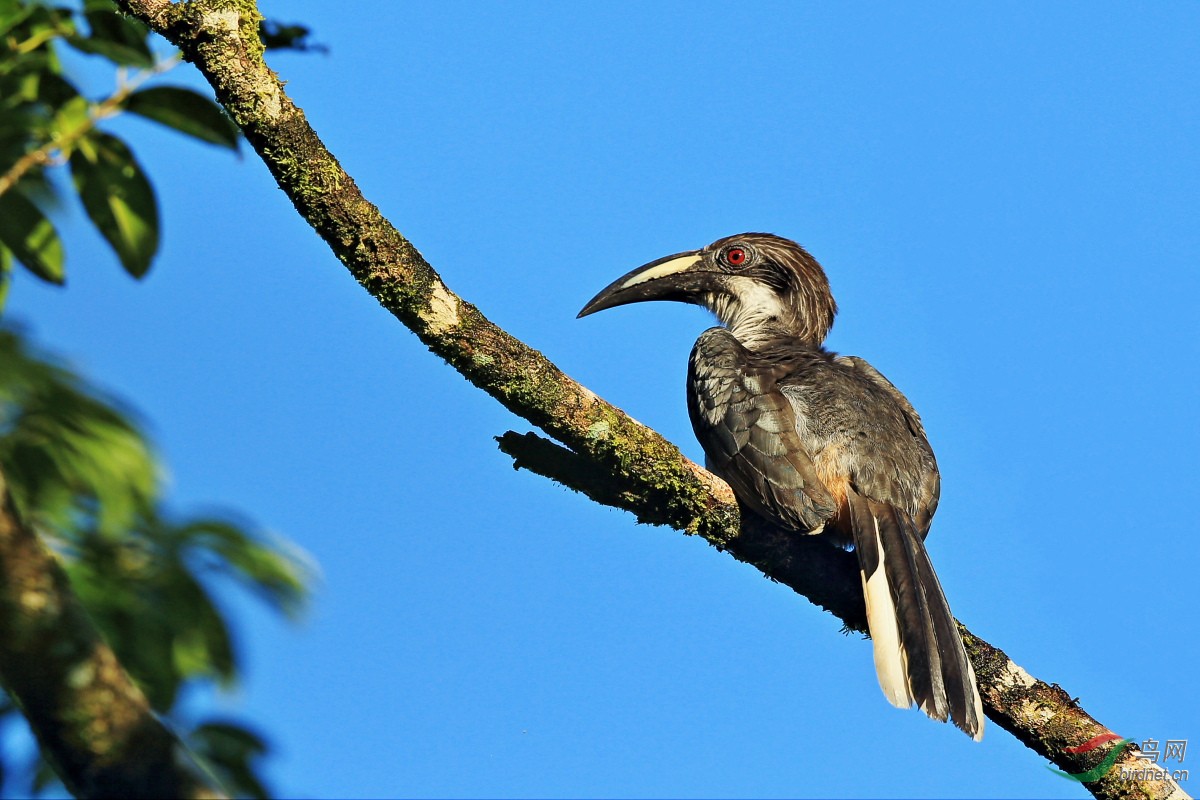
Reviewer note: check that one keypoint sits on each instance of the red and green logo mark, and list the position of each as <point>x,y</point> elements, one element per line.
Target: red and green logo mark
<point>1100,770</point>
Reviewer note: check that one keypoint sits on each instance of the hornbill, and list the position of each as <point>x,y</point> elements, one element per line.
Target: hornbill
<point>816,442</point>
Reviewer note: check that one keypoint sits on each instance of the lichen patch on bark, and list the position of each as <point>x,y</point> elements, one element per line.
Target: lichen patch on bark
<point>221,20</point>
<point>1013,675</point>
<point>442,312</point>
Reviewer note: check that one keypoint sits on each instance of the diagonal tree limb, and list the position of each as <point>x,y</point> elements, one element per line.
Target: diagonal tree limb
<point>93,723</point>
<point>607,454</point>
<point>826,575</point>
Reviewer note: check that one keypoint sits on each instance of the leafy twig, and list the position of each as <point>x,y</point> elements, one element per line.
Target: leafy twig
<point>59,147</point>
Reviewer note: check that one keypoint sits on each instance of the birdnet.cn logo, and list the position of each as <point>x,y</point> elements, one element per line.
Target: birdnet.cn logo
<point>1148,770</point>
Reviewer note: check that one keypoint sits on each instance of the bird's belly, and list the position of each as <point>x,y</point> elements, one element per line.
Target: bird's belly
<point>831,464</point>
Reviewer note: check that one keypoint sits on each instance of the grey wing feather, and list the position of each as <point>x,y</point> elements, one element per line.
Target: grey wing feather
<point>931,485</point>
<point>748,431</point>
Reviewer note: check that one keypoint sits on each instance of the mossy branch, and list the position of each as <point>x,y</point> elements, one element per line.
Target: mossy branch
<point>607,455</point>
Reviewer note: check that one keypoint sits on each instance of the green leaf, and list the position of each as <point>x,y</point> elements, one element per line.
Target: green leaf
<point>33,241</point>
<point>60,441</point>
<point>118,198</point>
<point>230,750</point>
<point>28,26</point>
<point>273,569</point>
<point>53,89</point>
<point>186,111</point>
<point>12,14</point>
<point>277,35</point>
<point>66,124</point>
<point>115,37</point>
<point>202,644</point>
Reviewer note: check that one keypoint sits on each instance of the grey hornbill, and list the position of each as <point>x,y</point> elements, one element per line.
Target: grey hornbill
<point>817,443</point>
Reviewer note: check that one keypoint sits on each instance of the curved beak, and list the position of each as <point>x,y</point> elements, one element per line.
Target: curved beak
<point>679,277</point>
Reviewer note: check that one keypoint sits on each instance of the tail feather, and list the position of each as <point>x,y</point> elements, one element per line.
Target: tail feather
<point>966,707</point>
<point>919,654</point>
<point>891,659</point>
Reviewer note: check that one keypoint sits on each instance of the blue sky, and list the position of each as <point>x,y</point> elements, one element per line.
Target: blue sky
<point>1006,200</point>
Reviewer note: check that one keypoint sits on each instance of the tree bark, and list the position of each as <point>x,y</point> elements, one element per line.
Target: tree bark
<point>603,452</point>
<point>94,725</point>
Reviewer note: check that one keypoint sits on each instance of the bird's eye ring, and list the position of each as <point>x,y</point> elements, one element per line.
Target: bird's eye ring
<point>736,256</point>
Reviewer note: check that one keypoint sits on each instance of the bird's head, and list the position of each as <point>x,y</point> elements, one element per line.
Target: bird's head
<point>759,285</point>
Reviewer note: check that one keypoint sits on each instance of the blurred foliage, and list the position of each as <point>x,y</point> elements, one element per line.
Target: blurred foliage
<point>279,36</point>
<point>76,461</point>
<point>84,476</point>
<point>230,750</point>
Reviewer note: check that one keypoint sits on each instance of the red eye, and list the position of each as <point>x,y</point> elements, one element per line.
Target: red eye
<point>736,256</point>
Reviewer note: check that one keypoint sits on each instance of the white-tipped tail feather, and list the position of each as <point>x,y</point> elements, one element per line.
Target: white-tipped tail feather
<point>977,705</point>
<point>891,665</point>
<point>919,654</point>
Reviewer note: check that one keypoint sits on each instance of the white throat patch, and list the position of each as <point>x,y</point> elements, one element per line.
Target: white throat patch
<point>747,308</point>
